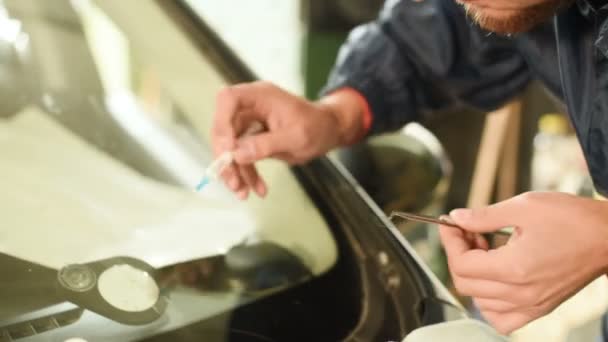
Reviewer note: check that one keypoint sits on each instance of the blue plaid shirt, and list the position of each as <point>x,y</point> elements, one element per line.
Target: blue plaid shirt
<point>420,57</point>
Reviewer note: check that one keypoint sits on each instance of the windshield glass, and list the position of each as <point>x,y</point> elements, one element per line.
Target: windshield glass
<point>105,111</point>
<point>271,31</point>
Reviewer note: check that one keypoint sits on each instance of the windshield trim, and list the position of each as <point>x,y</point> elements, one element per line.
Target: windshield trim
<point>392,229</point>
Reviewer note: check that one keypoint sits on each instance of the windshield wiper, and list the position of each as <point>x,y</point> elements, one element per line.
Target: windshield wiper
<point>248,269</point>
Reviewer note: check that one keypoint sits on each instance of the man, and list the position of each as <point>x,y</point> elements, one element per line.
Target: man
<point>425,55</point>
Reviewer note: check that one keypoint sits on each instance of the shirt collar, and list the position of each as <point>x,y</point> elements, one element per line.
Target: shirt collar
<point>597,11</point>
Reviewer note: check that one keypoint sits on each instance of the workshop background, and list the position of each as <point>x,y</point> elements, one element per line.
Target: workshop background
<point>527,145</point>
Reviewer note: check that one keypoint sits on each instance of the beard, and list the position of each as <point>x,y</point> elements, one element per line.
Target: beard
<point>521,21</point>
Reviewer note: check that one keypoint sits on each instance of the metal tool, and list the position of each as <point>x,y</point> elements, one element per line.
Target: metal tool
<point>443,220</point>
<point>495,239</point>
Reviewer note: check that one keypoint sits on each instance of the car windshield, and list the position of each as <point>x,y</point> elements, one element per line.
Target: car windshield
<point>105,113</point>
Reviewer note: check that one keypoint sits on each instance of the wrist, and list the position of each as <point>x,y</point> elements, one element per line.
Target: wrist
<point>350,112</point>
<point>602,235</point>
<point>604,250</point>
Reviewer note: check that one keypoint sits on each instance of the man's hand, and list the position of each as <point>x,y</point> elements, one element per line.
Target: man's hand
<point>560,244</point>
<point>296,130</point>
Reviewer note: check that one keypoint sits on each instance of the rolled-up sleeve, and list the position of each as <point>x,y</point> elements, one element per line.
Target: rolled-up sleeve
<point>420,57</point>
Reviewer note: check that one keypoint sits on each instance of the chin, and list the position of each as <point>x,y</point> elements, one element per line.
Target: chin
<point>498,21</point>
<point>513,21</point>
<point>507,26</point>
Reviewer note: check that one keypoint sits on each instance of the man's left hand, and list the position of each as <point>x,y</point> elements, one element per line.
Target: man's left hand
<point>559,245</point>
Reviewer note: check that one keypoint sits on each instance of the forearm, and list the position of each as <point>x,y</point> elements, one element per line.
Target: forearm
<point>407,68</point>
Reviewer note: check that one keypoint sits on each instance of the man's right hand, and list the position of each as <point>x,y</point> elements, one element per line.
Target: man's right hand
<point>296,130</point>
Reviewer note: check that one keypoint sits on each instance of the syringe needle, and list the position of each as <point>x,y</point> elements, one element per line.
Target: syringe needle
<point>202,184</point>
<point>215,169</point>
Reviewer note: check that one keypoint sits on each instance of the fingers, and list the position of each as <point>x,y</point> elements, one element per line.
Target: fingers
<point>289,158</point>
<point>223,132</point>
<point>455,241</point>
<point>261,146</point>
<point>241,179</point>
<point>232,178</point>
<point>235,112</point>
<point>509,306</point>
<point>467,261</point>
<point>476,241</point>
<point>481,242</point>
<point>487,219</point>
<point>242,98</point>
<point>290,133</point>
<point>520,296</point>
<point>487,289</point>
<point>236,108</point>
<point>495,305</point>
<point>253,179</point>
<point>260,187</point>
<point>509,322</point>
<point>243,194</point>
<point>482,264</point>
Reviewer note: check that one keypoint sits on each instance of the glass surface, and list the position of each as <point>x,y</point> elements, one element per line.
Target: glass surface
<point>105,112</point>
<point>268,35</point>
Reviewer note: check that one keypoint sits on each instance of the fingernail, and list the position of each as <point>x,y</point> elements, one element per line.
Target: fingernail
<point>260,189</point>
<point>447,219</point>
<point>461,214</point>
<point>233,184</point>
<point>243,194</point>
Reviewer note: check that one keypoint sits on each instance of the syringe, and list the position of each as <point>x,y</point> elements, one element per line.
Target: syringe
<point>215,169</point>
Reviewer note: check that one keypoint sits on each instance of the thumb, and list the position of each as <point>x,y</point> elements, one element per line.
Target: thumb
<point>253,148</point>
<point>487,219</point>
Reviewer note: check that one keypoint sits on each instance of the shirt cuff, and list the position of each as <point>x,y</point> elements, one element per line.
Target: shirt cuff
<point>367,117</point>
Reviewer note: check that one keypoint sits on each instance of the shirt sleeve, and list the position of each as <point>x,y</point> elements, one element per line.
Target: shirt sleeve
<point>420,57</point>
